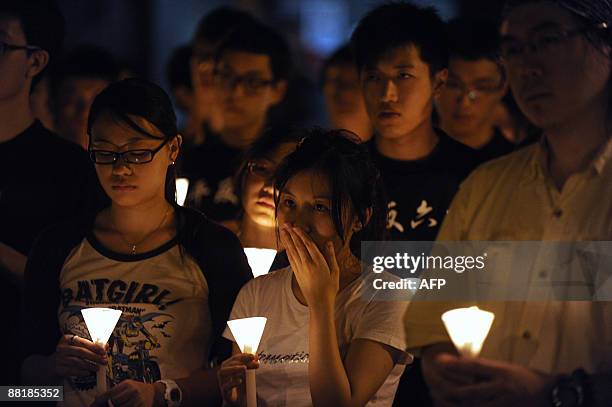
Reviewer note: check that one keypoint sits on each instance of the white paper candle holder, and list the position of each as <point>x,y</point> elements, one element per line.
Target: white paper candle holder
<point>247,332</point>
<point>468,328</point>
<point>260,260</point>
<point>100,324</point>
<point>182,186</point>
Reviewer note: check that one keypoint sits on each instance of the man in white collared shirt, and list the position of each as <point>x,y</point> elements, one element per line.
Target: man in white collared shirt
<point>557,54</point>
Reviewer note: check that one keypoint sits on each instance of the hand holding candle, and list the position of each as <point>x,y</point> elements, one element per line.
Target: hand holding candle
<point>247,332</point>
<point>101,323</point>
<point>468,328</point>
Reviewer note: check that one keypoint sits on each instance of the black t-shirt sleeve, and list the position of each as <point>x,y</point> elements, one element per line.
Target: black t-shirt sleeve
<point>224,264</point>
<point>40,330</point>
<point>39,324</point>
<point>60,183</point>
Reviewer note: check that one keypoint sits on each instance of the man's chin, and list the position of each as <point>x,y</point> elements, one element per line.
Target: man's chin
<point>461,131</point>
<point>234,122</point>
<point>390,133</point>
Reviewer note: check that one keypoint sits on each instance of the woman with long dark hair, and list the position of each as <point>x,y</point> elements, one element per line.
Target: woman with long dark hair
<point>329,340</point>
<point>172,273</point>
<point>256,225</point>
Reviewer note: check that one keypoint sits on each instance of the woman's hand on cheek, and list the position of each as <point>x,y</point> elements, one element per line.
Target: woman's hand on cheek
<point>317,273</point>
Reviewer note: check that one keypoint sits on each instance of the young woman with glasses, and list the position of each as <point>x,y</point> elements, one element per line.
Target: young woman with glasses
<point>173,273</point>
<point>254,187</point>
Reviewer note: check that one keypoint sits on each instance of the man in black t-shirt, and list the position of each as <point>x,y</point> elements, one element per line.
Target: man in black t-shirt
<point>42,177</point>
<point>251,69</point>
<point>400,50</point>
<point>401,56</point>
<point>474,90</point>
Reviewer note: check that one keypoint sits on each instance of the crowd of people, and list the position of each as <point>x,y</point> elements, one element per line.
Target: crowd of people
<point>465,130</point>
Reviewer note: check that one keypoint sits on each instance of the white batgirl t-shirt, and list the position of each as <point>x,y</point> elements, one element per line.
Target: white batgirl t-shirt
<point>282,377</point>
<point>165,326</point>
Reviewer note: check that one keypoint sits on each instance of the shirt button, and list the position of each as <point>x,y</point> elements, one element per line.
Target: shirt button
<point>526,335</point>
<point>558,212</point>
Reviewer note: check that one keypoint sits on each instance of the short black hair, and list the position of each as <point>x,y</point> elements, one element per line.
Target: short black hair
<point>91,61</point>
<point>85,61</point>
<point>214,27</point>
<point>343,56</point>
<point>397,24</point>
<point>259,38</point>
<point>136,97</point>
<point>473,39</point>
<point>356,185</point>
<point>178,70</point>
<point>141,98</point>
<point>43,25</point>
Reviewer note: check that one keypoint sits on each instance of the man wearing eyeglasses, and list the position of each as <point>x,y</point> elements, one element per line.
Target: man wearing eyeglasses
<point>474,89</point>
<point>212,29</point>
<point>42,177</point>
<point>553,349</point>
<point>251,68</point>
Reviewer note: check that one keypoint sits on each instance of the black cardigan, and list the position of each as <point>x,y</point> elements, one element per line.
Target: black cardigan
<point>215,249</point>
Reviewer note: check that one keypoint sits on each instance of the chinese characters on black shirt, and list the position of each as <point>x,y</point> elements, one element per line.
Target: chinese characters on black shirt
<point>419,192</point>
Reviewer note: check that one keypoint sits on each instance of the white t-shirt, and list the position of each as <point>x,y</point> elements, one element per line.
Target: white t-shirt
<point>165,326</point>
<point>282,377</point>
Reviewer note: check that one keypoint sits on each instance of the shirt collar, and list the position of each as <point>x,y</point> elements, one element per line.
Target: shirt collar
<point>539,160</point>
<point>603,157</point>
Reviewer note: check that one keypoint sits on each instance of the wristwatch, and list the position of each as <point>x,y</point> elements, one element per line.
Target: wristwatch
<point>570,391</point>
<point>173,394</point>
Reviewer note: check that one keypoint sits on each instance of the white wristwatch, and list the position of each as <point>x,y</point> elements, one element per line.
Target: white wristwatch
<point>173,394</point>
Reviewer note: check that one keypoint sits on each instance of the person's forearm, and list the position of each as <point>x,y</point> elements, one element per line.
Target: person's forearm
<point>38,370</point>
<point>329,384</point>
<point>200,388</point>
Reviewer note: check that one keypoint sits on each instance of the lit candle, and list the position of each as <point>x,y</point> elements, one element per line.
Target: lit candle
<point>260,260</point>
<point>247,332</point>
<point>182,185</point>
<point>468,328</point>
<point>101,323</point>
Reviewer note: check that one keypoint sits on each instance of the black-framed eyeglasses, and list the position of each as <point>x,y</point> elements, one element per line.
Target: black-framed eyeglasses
<point>260,169</point>
<point>250,83</point>
<point>138,156</point>
<point>4,48</point>
<point>473,92</point>
<point>544,42</point>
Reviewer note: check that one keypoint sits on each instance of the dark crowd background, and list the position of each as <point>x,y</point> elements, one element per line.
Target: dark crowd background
<point>142,34</point>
